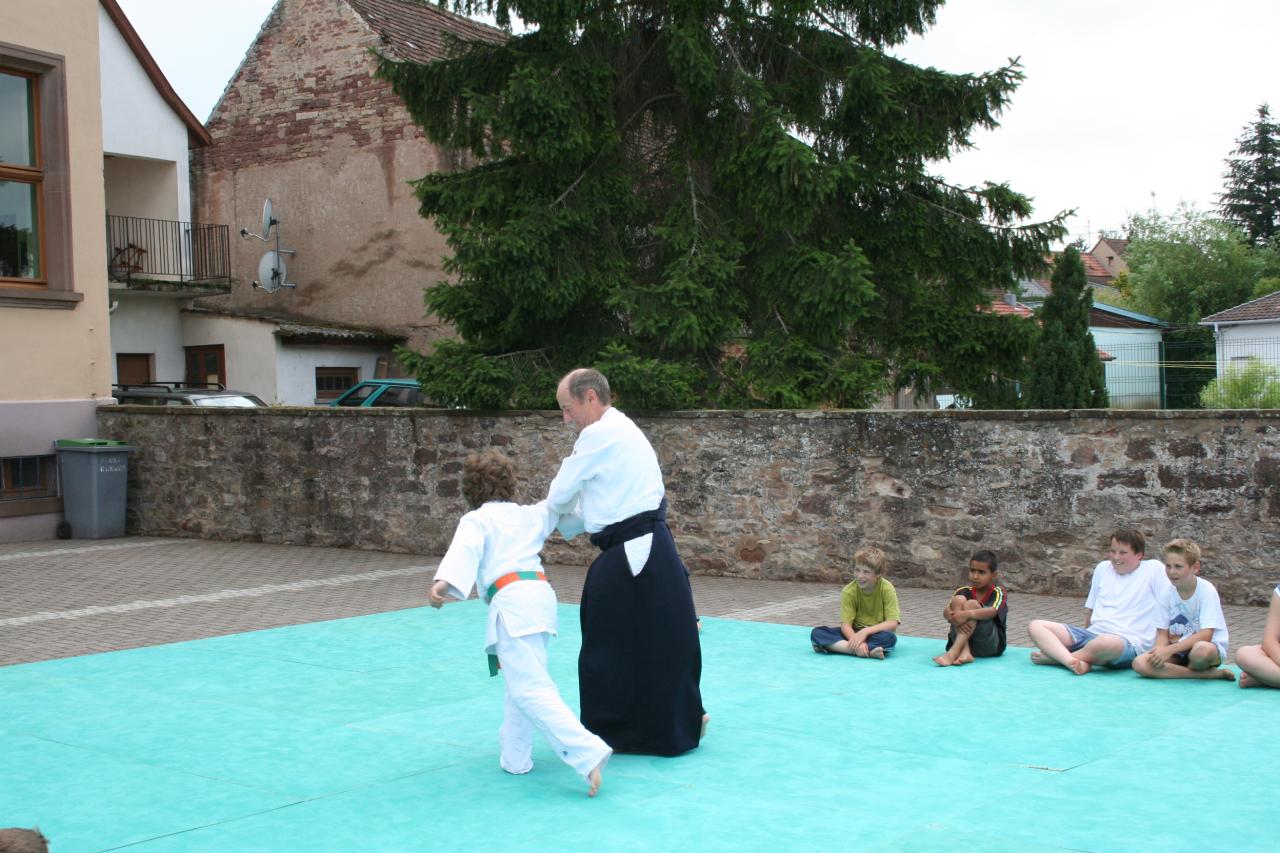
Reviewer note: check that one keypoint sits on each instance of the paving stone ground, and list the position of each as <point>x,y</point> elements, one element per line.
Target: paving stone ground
<point>66,598</point>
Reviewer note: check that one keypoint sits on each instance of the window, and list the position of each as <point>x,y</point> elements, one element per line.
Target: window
<point>35,205</point>
<point>332,381</point>
<point>26,477</point>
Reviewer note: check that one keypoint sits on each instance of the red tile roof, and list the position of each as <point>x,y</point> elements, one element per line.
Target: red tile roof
<point>1263,308</point>
<point>419,31</point>
<point>1002,307</point>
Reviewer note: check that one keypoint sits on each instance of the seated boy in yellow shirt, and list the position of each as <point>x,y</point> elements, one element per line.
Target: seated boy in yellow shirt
<point>869,613</point>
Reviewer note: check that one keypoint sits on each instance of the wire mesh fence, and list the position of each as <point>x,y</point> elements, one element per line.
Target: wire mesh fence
<point>1233,372</point>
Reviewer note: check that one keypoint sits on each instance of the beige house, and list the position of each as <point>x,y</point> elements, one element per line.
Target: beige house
<point>54,336</point>
<point>304,122</point>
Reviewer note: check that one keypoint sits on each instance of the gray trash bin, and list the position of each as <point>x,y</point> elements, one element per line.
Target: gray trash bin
<point>94,473</point>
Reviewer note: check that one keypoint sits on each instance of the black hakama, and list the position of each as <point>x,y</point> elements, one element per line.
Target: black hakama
<point>641,663</point>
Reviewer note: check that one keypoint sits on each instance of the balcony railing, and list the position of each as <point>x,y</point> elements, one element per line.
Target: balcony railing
<point>161,250</point>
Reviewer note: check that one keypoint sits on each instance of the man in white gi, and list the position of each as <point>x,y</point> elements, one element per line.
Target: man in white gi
<point>495,549</point>
<point>640,665</point>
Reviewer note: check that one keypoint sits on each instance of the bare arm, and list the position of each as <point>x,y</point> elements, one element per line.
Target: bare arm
<point>977,615</point>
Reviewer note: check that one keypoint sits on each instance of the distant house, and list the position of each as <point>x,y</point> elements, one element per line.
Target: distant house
<point>157,259</point>
<point>1109,253</point>
<point>1127,341</point>
<point>304,122</point>
<point>290,362</point>
<point>1251,330</point>
<point>1134,375</point>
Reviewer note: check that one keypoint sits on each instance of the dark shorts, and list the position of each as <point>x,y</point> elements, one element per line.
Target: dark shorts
<point>985,642</point>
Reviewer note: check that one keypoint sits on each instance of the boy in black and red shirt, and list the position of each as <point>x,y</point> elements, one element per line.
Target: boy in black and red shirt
<point>978,614</point>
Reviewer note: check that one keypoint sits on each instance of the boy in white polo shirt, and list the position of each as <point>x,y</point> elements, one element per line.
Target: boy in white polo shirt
<point>1121,620</point>
<point>1191,641</point>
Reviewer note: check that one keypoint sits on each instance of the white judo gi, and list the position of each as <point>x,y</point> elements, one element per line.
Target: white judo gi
<point>493,541</point>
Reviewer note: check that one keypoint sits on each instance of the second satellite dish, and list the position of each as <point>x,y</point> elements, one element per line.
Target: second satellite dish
<point>271,272</point>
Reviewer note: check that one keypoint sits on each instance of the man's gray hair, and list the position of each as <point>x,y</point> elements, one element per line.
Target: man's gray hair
<point>585,378</point>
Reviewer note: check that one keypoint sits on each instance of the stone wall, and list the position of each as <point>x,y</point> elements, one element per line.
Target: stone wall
<point>783,495</point>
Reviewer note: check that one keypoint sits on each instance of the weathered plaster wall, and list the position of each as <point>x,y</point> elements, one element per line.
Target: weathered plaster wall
<point>753,494</point>
<point>305,123</point>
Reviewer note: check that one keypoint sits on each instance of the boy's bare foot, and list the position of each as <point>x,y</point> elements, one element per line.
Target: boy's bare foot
<point>594,778</point>
<point>1247,680</point>
<point>1225,674</point>
<point>706,721</point>
<point>943,660</point>
<point>1041,658</point>
<point>1080,667</point>
<point>877,653</point>
<point>965,657</point>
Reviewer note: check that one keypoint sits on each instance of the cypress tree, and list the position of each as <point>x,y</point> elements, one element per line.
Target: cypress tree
<point>1252,196</point>
<point>1066,372</point>
<point>718,203</point>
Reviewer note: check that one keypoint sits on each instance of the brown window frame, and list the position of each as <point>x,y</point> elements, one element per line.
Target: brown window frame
<point>56,286</point>
<point>350,373</point>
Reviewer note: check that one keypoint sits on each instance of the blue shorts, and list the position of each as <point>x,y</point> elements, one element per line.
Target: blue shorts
<point>1081,636</point>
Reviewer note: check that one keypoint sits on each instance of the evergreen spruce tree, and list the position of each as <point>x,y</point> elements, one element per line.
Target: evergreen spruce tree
<point>1066,372</point>
<point>1252,196</point>
<point>718,203</point>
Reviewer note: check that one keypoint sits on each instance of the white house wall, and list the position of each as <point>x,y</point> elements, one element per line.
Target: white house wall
<point>249,346</point>
<point>1237,344</point>
<point>136,120</point>
<point>1133,379</point>
<point>296,369</point>
<point>148,324</point>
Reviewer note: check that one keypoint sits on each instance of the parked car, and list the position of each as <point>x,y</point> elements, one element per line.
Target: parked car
<point>183,394</point>
<point>382,392</point>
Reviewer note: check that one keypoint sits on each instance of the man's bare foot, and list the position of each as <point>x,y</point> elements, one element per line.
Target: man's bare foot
<point>594,778</point>
<point>1041,658</point>
<point>877,653</point>
<point>943,660</point>
<point>706,721</point>
<point>1247,680</point>
<point>1080,667</point>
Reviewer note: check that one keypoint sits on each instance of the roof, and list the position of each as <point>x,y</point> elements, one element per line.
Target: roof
<point>1257,310</point>
<point>419,31</point>
<point>197,134</point>
<point>1093,268</point>
<point>1131,318</point>
<point>294,331</point>
<point>1116,245</point>
<point>1002,307</point>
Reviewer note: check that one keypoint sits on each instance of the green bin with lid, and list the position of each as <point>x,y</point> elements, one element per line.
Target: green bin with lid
<point>94,477</point>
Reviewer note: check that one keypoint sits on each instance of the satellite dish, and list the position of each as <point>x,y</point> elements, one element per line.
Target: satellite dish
<point>271,272</point>
<point>271,269</point>
<point>268,219</point>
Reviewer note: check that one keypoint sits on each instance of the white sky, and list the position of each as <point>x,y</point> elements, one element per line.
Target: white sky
<point>1125,101</point>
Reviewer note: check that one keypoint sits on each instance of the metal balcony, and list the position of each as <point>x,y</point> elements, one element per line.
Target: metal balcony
<point>161,255</point>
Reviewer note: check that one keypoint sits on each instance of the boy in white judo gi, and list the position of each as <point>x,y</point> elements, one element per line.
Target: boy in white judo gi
<point>495,549</point>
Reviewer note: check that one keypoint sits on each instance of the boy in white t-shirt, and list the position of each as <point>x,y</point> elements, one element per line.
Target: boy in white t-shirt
<point>1121,620</point>
<point>1191,641</point>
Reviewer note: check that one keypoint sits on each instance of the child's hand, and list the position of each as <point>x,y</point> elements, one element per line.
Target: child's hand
<point>1158,656</point>
<point>436,596</point>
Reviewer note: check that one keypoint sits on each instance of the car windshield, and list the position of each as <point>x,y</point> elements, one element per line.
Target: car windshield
<point>240,401</point>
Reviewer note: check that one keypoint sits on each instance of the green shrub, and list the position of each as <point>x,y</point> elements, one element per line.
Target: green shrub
<point>1254,386</point>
